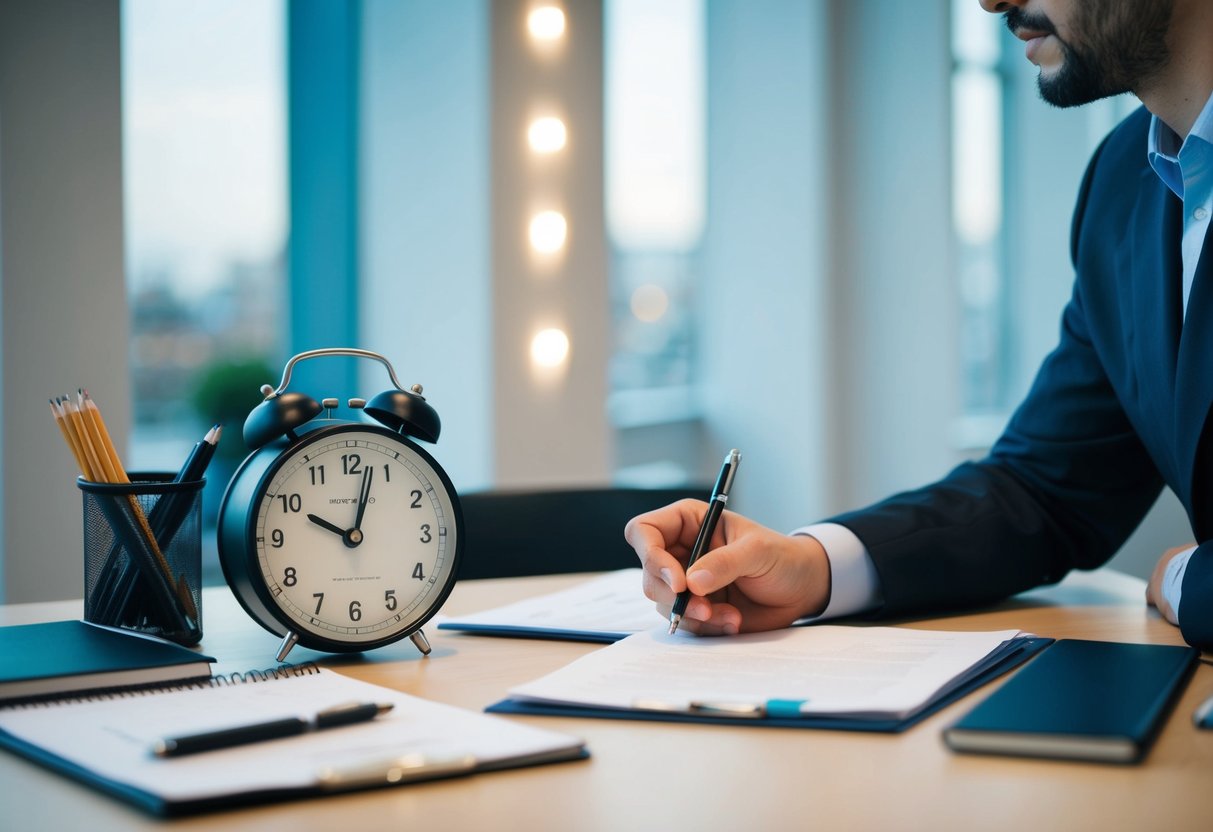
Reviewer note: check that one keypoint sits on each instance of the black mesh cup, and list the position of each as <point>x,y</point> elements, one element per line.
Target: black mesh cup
<point>143,555</point>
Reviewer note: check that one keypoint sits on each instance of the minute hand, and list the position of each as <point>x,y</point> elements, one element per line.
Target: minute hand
<point>363,497</point>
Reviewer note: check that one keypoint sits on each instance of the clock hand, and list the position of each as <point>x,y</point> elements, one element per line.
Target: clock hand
<point>363,496</point>
<point>324,524</point>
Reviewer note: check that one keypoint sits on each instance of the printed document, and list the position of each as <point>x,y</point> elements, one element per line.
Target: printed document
<point>610,605</point>
<point>852,671</point>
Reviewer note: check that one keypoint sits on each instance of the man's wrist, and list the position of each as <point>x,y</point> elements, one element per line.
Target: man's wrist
<point>1171,589</point>
<point>854,586</point>
<point>817,600</point>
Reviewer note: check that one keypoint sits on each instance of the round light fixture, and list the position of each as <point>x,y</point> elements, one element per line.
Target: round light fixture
<point>549,348</point>
<point>546,135</point>
<point>548,231</point>
<point>546,23</point>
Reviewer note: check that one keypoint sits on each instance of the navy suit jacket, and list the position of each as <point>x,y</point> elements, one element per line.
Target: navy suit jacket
<point>1120,408</point>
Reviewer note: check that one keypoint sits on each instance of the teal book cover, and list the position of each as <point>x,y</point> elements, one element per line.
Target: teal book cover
<point>1082,700</point>
<point>64,657</point>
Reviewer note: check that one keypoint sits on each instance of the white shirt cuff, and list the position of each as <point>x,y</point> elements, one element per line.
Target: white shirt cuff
<point>1173,578</point>
<point>854,584</point>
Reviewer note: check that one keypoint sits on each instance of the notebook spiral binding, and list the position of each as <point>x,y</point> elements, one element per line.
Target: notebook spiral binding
<point>282,671</point>
<point>248,677</point>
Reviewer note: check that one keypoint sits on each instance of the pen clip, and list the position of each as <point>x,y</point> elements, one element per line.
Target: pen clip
<point>1202,713</point>
<point>402,768</point>
<point>740,710</point>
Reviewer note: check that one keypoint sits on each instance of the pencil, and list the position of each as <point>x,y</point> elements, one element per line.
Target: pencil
<point>70,438</point>
<point>75,423</point>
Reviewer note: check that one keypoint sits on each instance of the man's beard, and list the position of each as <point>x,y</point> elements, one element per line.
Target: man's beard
<point>1115,46</point>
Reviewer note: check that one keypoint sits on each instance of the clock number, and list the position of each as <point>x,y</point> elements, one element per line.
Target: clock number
<point>277,538</point>
<point>426,537</point>
<point>317,474</point>
<point>389,599</point>
<point>351,464</point>
<point>291,502</point>
<point>417,573</point>
<point>416,495</point>
<point>355,610</point>
<point>289,578</point>
<point>319,596</point>
<point>387,473</point>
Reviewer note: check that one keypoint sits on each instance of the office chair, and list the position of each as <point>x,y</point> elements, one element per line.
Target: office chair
<point>515,533</point>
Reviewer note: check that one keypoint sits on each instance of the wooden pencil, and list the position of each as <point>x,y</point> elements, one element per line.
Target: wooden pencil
<point>75,423</point>
<point>100,436</point>
<point>70,438</point>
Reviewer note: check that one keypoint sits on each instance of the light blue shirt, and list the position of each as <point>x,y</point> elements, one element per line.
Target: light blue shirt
<point>1186,166</point>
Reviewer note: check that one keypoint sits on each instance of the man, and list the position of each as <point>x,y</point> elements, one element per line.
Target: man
<point>1120,408</point>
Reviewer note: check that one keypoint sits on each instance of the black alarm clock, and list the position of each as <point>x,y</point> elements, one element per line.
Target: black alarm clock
<point>342,535</point>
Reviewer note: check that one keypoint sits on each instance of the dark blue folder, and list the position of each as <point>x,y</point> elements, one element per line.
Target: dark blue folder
<point>1012,654</point>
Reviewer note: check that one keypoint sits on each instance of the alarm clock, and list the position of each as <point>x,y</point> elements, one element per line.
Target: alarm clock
<point>340,534</point>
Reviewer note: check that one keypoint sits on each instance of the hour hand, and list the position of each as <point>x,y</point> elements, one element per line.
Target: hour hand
<point>324,524</point>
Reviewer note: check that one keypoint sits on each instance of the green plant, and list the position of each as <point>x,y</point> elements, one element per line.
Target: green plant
<point>225,392</point>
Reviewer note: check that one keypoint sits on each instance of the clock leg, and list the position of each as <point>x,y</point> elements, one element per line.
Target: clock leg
<point>419,640</point>
<point>287,644</point>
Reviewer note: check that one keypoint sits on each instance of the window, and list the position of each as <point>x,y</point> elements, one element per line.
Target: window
<point>977,207</point>
<point>206,216</point>
<point>655,76</point>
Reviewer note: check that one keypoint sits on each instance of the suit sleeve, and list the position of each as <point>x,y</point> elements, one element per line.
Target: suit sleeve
<point>1063,487</point>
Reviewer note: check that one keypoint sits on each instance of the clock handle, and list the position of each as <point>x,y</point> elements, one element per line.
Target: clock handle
<point>347,351</point>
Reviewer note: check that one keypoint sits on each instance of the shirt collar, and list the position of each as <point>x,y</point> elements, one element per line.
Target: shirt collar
<point>1163,146</point>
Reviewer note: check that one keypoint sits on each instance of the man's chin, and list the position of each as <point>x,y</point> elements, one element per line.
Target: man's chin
<point>1062,89</point>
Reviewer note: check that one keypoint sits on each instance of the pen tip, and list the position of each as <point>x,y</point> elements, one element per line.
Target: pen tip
<point>674,619</point>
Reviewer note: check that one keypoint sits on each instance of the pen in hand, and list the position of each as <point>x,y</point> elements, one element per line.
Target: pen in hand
<point>716,505</point>
<point>334,717</point>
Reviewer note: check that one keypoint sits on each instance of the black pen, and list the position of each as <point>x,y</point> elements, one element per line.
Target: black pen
<point>335,717</point>
<point>719,499</point>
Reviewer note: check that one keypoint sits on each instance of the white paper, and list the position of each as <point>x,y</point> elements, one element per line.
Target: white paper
<point>113,737</point>
<point>612,603</point>
<point>838,670</point>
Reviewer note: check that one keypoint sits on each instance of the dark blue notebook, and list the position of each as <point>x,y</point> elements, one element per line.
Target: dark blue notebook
<point>1082,700</point>
<point>60,657</point>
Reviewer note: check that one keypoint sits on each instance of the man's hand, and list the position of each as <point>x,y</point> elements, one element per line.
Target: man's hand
<point>1154,594</point>
<point>752,578</point>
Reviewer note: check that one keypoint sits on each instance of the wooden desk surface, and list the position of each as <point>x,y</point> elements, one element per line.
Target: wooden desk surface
<point>647,775</point>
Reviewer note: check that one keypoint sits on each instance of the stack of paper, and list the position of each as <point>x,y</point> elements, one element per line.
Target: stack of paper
<point>876,678</point>
<point>602,609</point>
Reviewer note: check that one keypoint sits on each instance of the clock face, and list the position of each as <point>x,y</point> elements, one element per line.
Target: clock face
<point>354,535</point>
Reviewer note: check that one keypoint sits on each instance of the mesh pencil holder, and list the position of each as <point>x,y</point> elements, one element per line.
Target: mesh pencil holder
<point>143,555</point>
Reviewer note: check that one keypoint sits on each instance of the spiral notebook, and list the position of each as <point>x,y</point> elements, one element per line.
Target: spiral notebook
<point>105,740</point>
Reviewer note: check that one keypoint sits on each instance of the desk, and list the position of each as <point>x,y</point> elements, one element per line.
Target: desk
<point>647,775</point>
